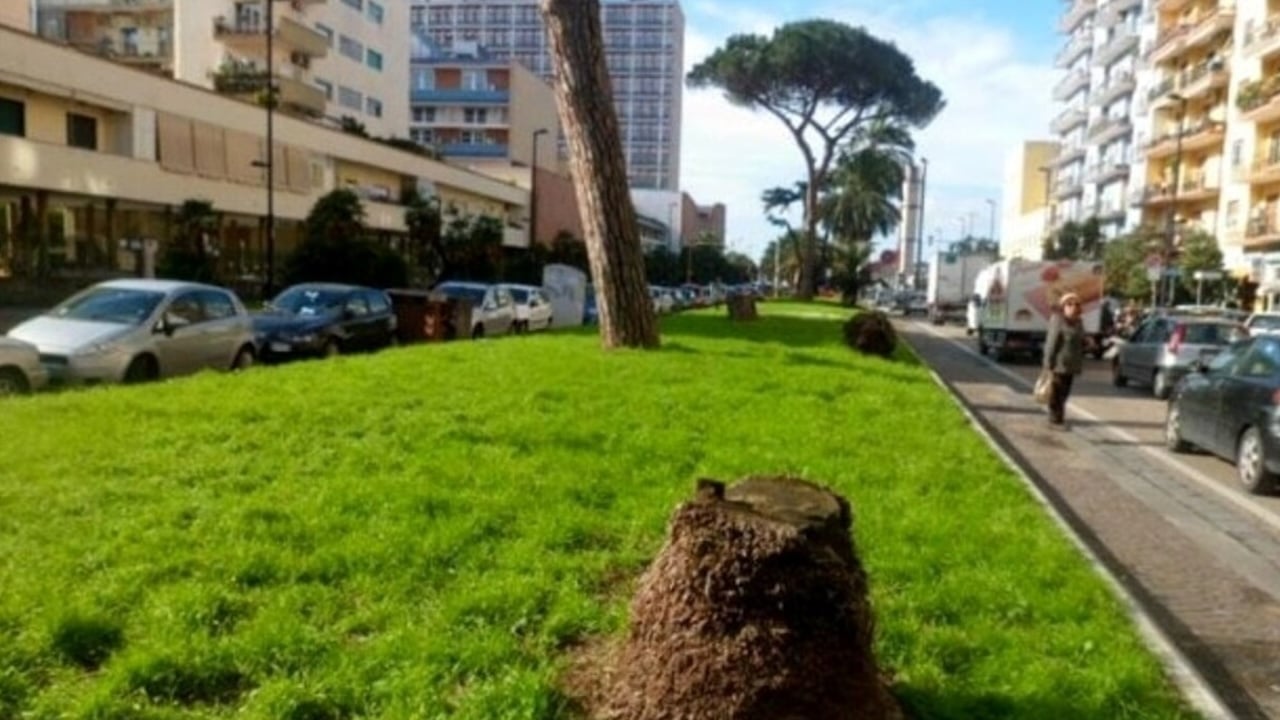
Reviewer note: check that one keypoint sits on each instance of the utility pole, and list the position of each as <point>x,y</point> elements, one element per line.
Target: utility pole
<point>270,289</point>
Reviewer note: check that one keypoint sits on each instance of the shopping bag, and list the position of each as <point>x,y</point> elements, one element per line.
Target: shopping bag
<point>1043,388</point>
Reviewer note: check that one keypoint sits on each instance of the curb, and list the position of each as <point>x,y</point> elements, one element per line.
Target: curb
<point>1197,691</point>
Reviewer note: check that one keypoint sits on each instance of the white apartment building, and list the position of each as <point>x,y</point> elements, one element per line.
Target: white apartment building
<point>1095,128</point>
<point>331,58</point>
<point>644,42</point>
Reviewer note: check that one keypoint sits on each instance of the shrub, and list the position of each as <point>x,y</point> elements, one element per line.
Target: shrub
<point>871,333</point>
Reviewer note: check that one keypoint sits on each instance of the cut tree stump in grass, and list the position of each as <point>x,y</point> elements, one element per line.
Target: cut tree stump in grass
<point>755,609</point>
<point>742,308</point>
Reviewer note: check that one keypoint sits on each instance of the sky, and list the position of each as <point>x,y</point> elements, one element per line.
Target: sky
<point>992,59</point>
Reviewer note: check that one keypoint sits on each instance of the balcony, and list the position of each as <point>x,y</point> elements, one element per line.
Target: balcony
<point>1076,47</point>
<point>1111,13</point>
<point>1076,14</point>
<point>1262,231</point>
<point>1259,100</point>
<point>1110,210</point>
<point>1201,135</point>
<point>455,96</point>
<point>1121,84</point>
<point>1066,187</point>
<point>1068,119</point>
<point>1262,39</point>
<point>1170,6</point>
<point>147,55</point>
<point>1075,81</point>
<point>1168,44</point>
<point>1203,78</point>
<point>1069,154</point>
<point>1107,171</point>
<point>473,150</point>
<point>1105,129</point>
<point>1117,47</point>
<point>133,7</point>
<point>1265,169</point>
<point>1194,188</point>
<point>294,95</point>
<point>290,35</point>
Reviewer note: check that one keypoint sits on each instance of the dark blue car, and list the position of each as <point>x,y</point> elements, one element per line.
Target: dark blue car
<point>323,320</point>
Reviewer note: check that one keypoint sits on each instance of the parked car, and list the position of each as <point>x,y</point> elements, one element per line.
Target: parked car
<point>663,303</point>
<point>590,311</point>
<point>323,320</point>
<point>141,330</point>
<point>20,368</point>
<point>533,307</point>
<point>1263,323</point>
<point>1163,349</point>
<point>1230,407</point>
<point>493,311</point>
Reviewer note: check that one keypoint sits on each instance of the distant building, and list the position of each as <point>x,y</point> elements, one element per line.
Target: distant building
<point>686,221</point>
<point>1027,206</point>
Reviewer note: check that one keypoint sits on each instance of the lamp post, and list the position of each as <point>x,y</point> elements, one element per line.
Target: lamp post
<point>269,287</point>
<point>533,188</point>
<point>1166,251</point>
<point>992,205</point>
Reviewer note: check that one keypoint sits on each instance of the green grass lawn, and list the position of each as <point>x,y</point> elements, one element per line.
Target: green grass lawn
<point>426,533</point>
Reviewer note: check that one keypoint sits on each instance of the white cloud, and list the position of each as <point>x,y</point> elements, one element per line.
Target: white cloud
<point>994,100</point>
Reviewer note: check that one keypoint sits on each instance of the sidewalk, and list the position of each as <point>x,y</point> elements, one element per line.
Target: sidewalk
<point>1207,574</point>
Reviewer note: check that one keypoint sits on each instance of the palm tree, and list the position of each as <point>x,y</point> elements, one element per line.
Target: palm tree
<point>863,197</point>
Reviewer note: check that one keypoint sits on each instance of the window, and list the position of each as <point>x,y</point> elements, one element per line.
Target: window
<point>349,98</point>
<point>357,305</point>
<point>474,80</point>
<point>424,79</point>
<point>375,12</point>
<point>373,59</point>
<point>326,31</point>
<point>475,116</point>
<point>351,47</point>
<point>1233,213</point>
<point>421,136</point>
<point>415,17</point>
<point>82,131</point>
<point>424,114</point>
<point>13,117</point>
<point>186,308</point>
<point>373,106</point>
<point>378,302</point>
<point>326,86</point>
<point>217,305</point>
<point>356,4</point>
<point>1262,361</point>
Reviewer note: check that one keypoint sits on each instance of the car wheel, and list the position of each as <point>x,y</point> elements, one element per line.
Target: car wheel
<point>477,333</point>
<point>142,369</point>
<point>1160,386</point>
<point>331,348</point>
<point>1251,463</point>
<point>1117,375</point>
<point>244,359</point>
<point>1173,430</point>
<point>13,382</point>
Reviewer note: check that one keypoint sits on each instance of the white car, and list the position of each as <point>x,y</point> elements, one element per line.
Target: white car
<point>1263,323</point>
<point>493,312</point>
<point>139,330</point>
<point>20,368</point>
<point>663,303</point>
<point>533,307</point>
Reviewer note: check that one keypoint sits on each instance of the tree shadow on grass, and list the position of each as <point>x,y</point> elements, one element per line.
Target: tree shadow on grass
<point>928,704</point>
<point>779,329</point>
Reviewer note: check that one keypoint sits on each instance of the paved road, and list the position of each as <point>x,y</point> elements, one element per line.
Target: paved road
<point>1200,556</point>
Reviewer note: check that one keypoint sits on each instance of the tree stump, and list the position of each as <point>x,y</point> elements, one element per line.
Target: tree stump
<point>742,308</point>
<point>756,609</point>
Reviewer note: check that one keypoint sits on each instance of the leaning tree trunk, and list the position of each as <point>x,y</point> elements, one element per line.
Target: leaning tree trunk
<point>585,101</point>
<point>808,243</point>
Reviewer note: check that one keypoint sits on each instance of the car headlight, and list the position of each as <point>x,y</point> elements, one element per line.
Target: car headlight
<point>99,348</point>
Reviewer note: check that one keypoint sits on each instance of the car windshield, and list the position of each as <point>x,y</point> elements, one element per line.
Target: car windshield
<point>463,292</point>
<point>520,294</point>
<point>1210,334</point>
<point>309,301</point>
<point>1265,322</point>
<point>125,306</point>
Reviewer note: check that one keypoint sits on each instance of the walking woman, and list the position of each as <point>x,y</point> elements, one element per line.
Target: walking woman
<point>1064,355</point>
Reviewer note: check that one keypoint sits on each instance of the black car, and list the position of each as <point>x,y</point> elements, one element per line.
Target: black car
<point>323,320</point>
<point>1231,408</point>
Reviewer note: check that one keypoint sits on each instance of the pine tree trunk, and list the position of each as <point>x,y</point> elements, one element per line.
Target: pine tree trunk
<point>585,101</point>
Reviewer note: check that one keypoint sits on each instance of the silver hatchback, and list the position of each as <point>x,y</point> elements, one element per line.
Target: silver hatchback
<point>20,368</point>
<point>1163,350</point>
<point>140,330</point>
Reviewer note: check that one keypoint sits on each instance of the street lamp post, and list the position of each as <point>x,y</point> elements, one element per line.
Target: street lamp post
<point>533,188</point>
<point>269,288</point>
<point>1166,251</point>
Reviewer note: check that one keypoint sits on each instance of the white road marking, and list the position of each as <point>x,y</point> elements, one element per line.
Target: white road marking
<point>1232,495</point>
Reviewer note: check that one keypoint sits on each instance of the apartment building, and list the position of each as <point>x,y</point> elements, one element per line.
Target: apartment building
<point>1095,127</point>
<point>644,42</point>
<point>1027,205</point>
<point>98,155</point>
<point>330,58</point>
<point>18,14</point>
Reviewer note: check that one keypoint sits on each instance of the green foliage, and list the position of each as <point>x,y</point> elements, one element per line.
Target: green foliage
<point>337,248</point>
<point>1076,241</point>
<point>353,126</point>
<point>87,640</point>
<point>400,569</point>
<point>1124,260</point>
<point>473,249</point>
<point>1198,251</point>
<point>191,254</point>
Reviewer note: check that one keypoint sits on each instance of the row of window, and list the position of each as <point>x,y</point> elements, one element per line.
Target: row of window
<point>82,130</point>
<point>352,48</point>
<point>351,98</point>
<point>427,136</point>
<point>372,9</point>
<point>425,79</point>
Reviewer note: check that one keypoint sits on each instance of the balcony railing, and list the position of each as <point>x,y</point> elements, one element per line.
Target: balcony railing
<point>1071,84</point>
<point>1076,13</point>
<point>1069,118</point>
<point>1125,41</point>
<point>1075,47</point>
<point>479,150</point>
<point>491,96</point>
<point>1253,94</point>
<point>1119,84</point>
<point>1258,36</point>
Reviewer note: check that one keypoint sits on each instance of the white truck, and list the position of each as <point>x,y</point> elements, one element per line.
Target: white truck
<point>951,282</point>
<point>1017,298</point>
